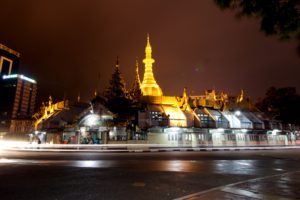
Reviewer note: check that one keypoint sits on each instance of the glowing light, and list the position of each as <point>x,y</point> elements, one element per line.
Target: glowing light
<point>174,129</point>
<point>7,161</point>
<point>275,131</point>
<point>220,129</point>
<point>12,144</point>
<point>27,79</point>
<point>106,117</point>
<point>237,113</point>
<point>82,129</point>
<point>176,116</point>
<point>92,120</point>
<point>233,120</point>
<point>19,76</point>
<point>244,130</point>
<point>10,76</point>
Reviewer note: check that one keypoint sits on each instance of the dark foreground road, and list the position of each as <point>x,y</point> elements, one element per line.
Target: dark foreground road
<point>162,175</point>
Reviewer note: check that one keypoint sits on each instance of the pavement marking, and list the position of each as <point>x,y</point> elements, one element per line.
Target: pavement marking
<point>194,195</point>
<point>246,193</point>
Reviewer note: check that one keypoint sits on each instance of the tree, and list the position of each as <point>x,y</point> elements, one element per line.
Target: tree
<point>277,17</point>
<point>282,103</point>
<point>115,95</point>
<point>116,87</point>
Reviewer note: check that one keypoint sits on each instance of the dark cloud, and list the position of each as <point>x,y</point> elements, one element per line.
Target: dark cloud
<point>67,45</point>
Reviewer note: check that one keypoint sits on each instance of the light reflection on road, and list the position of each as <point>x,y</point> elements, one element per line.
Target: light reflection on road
<point>245,167</point>
<point>164,165</point>
<point>219,166</point>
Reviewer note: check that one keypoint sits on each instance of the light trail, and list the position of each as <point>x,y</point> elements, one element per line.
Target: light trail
<point>26,146</point>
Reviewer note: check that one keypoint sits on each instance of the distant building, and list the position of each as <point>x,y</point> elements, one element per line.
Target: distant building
<point>18,95</point>
<point>9,61</point>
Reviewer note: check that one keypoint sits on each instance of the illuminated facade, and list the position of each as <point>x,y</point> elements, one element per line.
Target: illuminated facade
<point>73,122</point>
<point>210,119</point>
<point>17,105</point>
<point>211,110</point>
<point>18,94</point>
<point>149,86</point>
<point>47,111</point>
<point>213,118</point>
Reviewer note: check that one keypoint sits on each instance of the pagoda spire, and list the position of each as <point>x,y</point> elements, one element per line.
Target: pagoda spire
<point>149,86</point>
<point>117,62</point>
<point>78,97</point>
<point>135,90</point>
<point>137,74</point>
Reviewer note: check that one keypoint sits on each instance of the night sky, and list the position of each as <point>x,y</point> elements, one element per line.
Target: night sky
<point>70,46</point>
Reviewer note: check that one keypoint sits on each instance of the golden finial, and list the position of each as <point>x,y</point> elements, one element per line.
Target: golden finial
<point>136,64</point>
<point>78,97</point>
<point>148,43</point>
<point>241,97</point>
<point>50,100</point>
<point>184,92</point>
<point>137,70</point>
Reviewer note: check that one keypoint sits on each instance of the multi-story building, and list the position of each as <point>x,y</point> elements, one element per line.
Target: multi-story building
<point>9,61</point>
<point>18,94</point>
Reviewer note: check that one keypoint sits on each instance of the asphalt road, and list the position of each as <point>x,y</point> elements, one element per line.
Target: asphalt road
<point>264,174</point>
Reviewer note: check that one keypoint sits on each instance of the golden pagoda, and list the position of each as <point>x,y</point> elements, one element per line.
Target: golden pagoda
<point>149,86</point>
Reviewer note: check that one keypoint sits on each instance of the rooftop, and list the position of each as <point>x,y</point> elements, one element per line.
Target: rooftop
<point>3,47</point>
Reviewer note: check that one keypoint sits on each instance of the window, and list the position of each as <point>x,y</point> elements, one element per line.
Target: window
<point>172,137</point>
<point>188,137</point>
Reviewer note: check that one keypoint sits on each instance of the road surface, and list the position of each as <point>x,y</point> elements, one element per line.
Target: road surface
<point>268,174</point>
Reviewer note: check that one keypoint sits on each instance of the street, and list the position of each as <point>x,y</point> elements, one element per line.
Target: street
<point>267,174</point>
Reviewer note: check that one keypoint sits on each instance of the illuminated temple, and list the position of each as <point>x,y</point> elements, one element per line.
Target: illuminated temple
<point>199,118</point>
<point>209,119</point>
<point>210,110</point>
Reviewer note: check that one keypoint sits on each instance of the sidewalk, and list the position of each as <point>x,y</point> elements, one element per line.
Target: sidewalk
<point>282,186</point>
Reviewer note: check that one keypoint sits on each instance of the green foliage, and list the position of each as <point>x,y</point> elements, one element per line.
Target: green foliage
<point>283,103</point>
<point>277,17</point>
